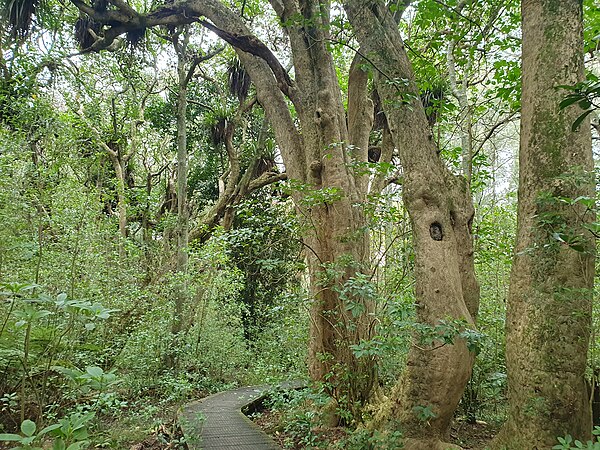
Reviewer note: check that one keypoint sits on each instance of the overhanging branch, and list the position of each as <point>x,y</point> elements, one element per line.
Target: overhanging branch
<point>125,19</point>
<point>251,44</point>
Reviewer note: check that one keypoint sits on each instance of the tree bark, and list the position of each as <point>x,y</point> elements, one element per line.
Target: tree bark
<point>441,211</point>
<point>336,237</point>
<point>360,118</point>
<point>461,93</point>
<point>121,200</point>
<point>181,256</point>
<point>549,305</point>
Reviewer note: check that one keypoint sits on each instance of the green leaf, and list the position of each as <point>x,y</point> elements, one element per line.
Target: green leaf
<point>69,373</point>
<point>28,427</point>
<point>94,371</point>
<point>27,440</point>
<point>568,101</point>
<point>77,445</point>
<point>16,288</point>
<point>577,247</point>
<point>580,120</point>
<point>585,104</point>
<point>10,437</point>
<point>40,314</point>
<point>49,428</point>
<point>586,201</point>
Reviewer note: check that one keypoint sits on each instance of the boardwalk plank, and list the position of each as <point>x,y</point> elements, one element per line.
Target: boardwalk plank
<point>217,423</point>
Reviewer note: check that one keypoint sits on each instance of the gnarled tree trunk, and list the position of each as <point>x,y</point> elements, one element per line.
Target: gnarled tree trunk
<point>184,74</point>
<point>336,238</point>
<point>441,211</point>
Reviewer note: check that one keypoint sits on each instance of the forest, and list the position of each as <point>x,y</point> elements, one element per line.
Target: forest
<point>390,204</point>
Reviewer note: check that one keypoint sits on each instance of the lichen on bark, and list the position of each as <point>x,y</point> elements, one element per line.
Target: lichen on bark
<point>549,305</point>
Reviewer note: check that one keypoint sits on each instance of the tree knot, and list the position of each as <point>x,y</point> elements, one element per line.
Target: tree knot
<point>436,232</point>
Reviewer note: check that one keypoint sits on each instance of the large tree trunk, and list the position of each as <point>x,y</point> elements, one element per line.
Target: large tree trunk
<point>549,304</point>
<point>336,236</point>
<point>441,211</point>
<point>341,249</point>
<point>319,161</point>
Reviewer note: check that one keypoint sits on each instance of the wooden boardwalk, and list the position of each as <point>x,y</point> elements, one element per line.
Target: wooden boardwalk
<point>217,422</point>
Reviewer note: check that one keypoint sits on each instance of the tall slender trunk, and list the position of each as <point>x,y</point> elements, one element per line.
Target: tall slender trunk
<point>146,229</point>
<point>460,90</point>
<point>549,305</point>
<point>40,211</point>
<point>182,178</point>
<point>182,175</point>
<point>121,200</point>
<point>185,69</point>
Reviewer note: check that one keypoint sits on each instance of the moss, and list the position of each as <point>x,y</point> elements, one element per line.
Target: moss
<point>547,144</point>
<point>535,407</point>
<point>554,6</point>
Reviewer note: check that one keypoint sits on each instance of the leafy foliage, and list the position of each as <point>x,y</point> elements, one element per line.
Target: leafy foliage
<point>568,443</point>
<point>85,330</point>
<point>586,95</point>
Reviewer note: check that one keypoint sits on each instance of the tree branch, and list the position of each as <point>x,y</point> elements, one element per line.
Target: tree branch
<point>265,179</point>
<point>493,130</point>
<point>251,44</point>
<point>401,7</point>
<point>197,60</point>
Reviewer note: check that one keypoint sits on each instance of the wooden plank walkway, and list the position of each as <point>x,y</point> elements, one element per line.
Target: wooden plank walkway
<point>217,422</point>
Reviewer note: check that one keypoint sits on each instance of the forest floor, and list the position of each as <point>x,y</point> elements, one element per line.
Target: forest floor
<point>473,436</point>
<point>469,436</point>
<point>166,436</point>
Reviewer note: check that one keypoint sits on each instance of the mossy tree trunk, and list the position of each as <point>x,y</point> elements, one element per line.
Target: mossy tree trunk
<point>549,304</point>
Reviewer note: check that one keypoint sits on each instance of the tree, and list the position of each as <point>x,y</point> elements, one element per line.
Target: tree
<point>123,101</point>
<point>441,212</point>
<point>549,305</point>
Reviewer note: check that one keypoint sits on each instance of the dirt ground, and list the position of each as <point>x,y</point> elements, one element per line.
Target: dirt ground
<point>469,436</point>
